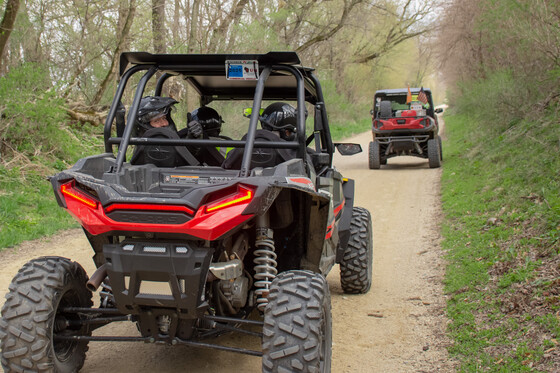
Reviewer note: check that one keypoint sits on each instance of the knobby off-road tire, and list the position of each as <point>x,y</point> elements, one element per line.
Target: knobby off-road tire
<point>434,156</point>
<point>297,331</point>
<point>374,156</point>
<point>32,316</point>
<point>357,260</point>
<point>385,110</point>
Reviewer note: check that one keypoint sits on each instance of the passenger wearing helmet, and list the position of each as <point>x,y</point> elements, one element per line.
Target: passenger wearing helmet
<point>209,119</point>
<point>281,118</point>
<point>205,122</point>
<point>278,121</point>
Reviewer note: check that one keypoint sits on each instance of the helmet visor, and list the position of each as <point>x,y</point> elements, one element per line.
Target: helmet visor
<point>154,115</point>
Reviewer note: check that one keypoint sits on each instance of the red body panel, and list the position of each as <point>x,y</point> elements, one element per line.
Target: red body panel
<point>206,226</point>
<point>401,123</point>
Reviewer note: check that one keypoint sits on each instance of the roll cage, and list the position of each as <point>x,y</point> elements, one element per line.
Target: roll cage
<point>281,77</point>
<point>399,96</point>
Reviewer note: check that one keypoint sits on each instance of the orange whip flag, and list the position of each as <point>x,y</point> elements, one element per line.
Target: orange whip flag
<point>409,96</point>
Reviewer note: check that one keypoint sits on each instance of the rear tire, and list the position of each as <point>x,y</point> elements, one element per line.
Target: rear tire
<point>440,149</point>
<point>357,260</point>
<point>434,155</point>
<point>32,316</point>
<point>297,331</point>
<point>385,110</point>
<point>374,156</point>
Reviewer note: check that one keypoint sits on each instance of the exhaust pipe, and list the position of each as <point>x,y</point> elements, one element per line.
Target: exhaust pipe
<point>97,278</point>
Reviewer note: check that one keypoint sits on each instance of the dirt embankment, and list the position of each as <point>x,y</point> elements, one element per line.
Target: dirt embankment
<point>398,326</point>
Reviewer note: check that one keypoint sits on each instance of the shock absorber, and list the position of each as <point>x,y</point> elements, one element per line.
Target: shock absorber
<point>265,261</point>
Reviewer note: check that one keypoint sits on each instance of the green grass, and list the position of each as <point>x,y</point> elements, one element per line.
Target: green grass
<point>28,209</point>
<point>508,173</point>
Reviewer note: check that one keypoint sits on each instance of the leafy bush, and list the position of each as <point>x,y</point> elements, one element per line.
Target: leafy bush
<point>30,112</point>
<point>498,100</point>
<point>36,140</point>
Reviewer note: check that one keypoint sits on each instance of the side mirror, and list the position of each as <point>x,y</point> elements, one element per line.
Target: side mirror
<point>438,110</point>
<point>348,148</point>
<point>371,112</point>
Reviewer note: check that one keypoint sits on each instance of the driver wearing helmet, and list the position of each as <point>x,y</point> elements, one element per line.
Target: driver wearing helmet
<point>155,112</point>
<point>154,120</point>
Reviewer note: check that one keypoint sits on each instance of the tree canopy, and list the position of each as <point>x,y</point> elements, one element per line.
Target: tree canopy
<point>79,44</point>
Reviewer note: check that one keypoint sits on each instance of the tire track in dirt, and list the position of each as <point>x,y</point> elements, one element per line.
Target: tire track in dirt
<point>399,326</point>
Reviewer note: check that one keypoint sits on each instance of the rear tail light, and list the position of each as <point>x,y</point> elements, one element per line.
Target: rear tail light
<point>69,190</point>
<point>243,195</point>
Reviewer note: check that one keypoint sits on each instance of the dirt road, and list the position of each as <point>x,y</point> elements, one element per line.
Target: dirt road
<point>397,327</point>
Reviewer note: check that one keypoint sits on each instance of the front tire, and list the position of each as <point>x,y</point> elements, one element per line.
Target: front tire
<point>357,260</point>
<point>32,317</point>
<point>374,156</point>
<point>297,331</point>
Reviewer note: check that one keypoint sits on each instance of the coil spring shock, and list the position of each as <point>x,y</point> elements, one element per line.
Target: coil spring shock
<point>265,268</point>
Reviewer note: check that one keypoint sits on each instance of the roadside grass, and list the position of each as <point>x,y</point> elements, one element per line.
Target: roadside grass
<point>502,217</point>
<point>28,209</point>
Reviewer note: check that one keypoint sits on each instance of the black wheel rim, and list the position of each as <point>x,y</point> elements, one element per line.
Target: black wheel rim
<point>63,349</point>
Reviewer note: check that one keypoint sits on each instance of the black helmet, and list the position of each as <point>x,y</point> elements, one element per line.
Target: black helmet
<point>209,119</point>
<point>281,117</point>
<point>152,107</point>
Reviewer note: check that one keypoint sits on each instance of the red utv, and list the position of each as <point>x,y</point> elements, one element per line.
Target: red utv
<point>403,125</point>
<point>190,249</point>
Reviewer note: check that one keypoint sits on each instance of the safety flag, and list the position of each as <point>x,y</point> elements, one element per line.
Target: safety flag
<point>409,96</point>
<point>422,96</point>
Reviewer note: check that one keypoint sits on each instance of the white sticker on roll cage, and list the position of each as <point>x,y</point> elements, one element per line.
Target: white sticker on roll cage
<point>242,70</point>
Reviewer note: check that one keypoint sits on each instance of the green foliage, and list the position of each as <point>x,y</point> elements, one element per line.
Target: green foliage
<point>27,208</point>
<point>31,112</point>
<point>36,141</point>
<point>502,208</point>
<point>345,117</point>
<point>498,100</point>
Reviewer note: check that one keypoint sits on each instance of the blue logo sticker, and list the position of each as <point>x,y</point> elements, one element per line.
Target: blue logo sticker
<point>235,71</point>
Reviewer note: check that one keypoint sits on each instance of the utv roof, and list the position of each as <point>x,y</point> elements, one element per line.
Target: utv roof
<point>206,74</point>
<point>399,91</point>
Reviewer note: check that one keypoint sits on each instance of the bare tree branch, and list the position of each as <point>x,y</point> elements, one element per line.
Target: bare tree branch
<point>322,36</point>
<point>7,24</point>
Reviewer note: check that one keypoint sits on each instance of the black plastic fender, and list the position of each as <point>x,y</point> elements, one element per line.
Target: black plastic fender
<point>344,225</point>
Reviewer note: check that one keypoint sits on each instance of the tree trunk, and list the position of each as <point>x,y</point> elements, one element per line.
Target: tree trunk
<point>220,32</point>
<point>194,26</point>
<point>7,25</point>
<point>126,16</point>
<point>158,26</point>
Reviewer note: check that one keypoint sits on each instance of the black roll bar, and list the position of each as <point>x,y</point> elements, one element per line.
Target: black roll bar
<point>250,142</point>
<point>115,104</point>
<point>131,118</point>
<point>325,120</point>
<point>257,99</point>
